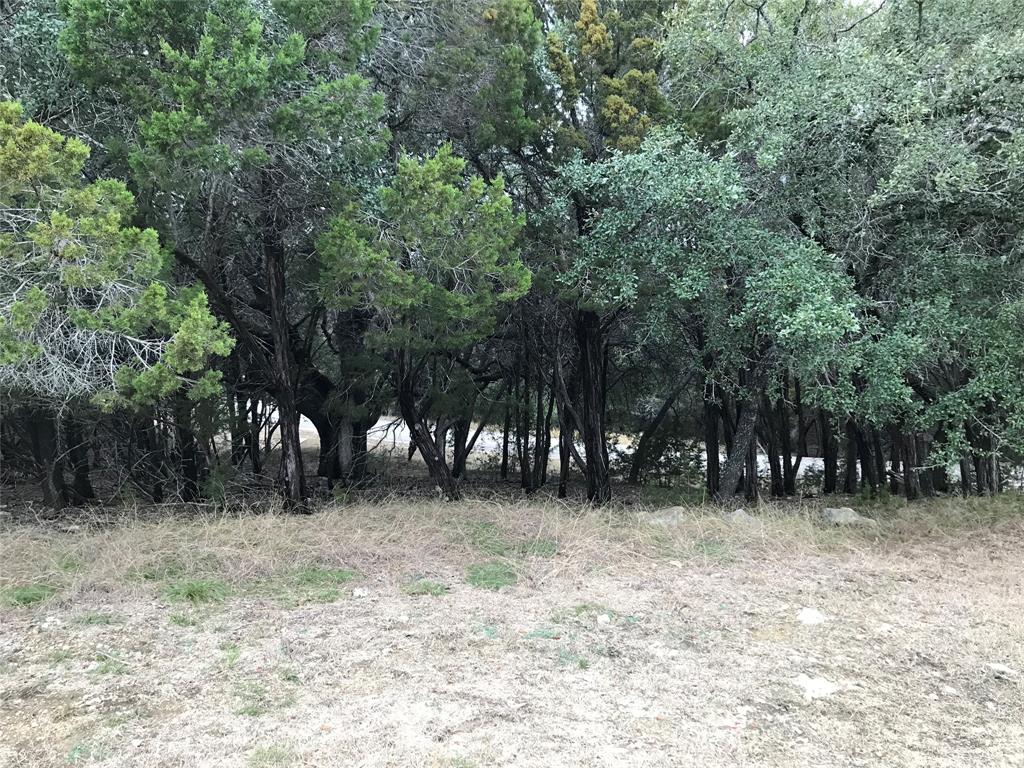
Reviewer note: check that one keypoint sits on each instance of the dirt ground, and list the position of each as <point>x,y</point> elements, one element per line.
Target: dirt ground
<point>263,640</point>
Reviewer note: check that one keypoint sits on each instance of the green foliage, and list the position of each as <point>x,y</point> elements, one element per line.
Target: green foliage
<point>29,594</point>
<point>426,587</point>
<point>442,265</point>
<point>491,575</point>
<point>84,306</point>
<point>196,591</point>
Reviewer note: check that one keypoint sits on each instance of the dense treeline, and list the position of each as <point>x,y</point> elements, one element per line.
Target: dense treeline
<point>789,228</point>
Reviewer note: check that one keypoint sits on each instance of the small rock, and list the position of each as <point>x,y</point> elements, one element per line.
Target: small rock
<point>360,592</point>
<point>810,616</point>
<point>949,690</point>
<point>846,516</point>
<point>1003,672</point>
<point>740,516</point>
<point>604,618</point>
<point>815,687</point>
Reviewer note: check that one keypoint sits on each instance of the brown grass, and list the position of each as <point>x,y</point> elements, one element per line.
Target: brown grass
<point>622,643</point>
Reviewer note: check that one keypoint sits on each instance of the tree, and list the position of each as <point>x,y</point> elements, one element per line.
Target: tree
<point>86,311</point>
<point>246,127</point>
<point>434,266</point>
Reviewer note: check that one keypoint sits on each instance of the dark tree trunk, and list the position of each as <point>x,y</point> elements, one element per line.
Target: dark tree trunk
<point>867,460</point>
<point>47,456</point>
<point>895,454</point>
<point>750,490</point>
<point>591,344</point>
<point>642,456</point>
<point>850,458</point>
<point>506,427</point>
<point>911,481</point>
<point>293,479</point>
<point>78,453</point>
<point>360,452</point>
<point>829,453</point>
<point>712,443</point>
<point>965,476</point>
<point>419,433</point>
<point>460,447</point>
<point>252,438</point>
<point>743,437</point>
<point>188,454</point>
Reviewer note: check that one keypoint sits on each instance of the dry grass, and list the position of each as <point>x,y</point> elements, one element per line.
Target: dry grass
<point>621,643</point>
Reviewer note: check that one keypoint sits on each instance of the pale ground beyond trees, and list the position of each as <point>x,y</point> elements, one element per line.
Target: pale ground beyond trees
<point>369,636</point>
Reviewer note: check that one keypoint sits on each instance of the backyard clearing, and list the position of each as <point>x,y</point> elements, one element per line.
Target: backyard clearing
<point>485,634</point>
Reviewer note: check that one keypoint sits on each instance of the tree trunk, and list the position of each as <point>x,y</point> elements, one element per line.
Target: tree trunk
<point>743,436</point>
<point>591,345</point>
<point>712,443</point>
<point>78,453</point>
<point>829,453</point>
<point>292,475</point>
<point>48,460</point>
<point>911,483</point>
<point>642,455</point>
<point>506,427</point>
<point>850,458</point>
<point>187,450</point>
<point>419,433</point>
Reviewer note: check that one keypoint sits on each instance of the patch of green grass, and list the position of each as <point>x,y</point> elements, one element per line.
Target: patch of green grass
<point>537,548</point>
<point>85,753</point>
<point>29,594</point>
<point>425,587</point>
<point>544,633</point>
<point>271,757</point>
<point>183,620</point>
<point>232,653</point>
<point>486,537</point>
<point>487,631</point>
<point>256,700</point>
<point>164,568</point>
<point>196,591</point>
<point>60,656</point>
<point>570,659</point>
<point>714,549</point>
<point>290,676</point>
<point>491,575</point>
<point>316,576</point>
<point>69,563</point>
<point>581,610</point>
<point>309,584</point>
<point>97,618</point>
<point>109,664</point>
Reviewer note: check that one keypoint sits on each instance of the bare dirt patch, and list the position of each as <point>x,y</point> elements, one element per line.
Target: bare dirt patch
<point>619,644</point>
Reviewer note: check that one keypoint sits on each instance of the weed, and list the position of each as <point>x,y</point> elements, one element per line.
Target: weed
<point>109,664</point>
<point>537,548</point>
<point>570,659</point>
<point>290,676</point>
<point>256,700</point>
<point>316,576</point>
<point>84,753</point>
<point>545,634</point>
<point>714,549</point>
<point>486,537</point>
<point>488,631</point>
<point>68,563</point>
<point>232,653</point>
<point>165,568</point>
<point>270,757</point>
<point>425,587</point>
<point>60,656</point>
<point>196,591</point>
<point>29,594</point>
<point>491,575</point>
<point>581,610</point>
<point>183,620</point>
<point>310,584</point>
